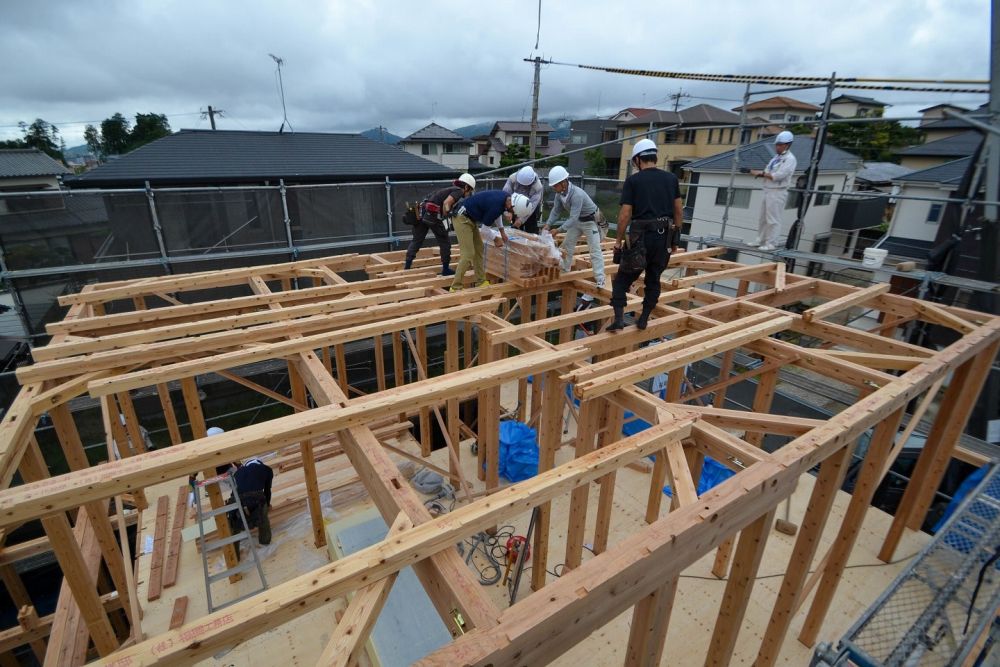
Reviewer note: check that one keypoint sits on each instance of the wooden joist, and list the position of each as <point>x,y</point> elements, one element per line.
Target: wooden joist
<point>843,303</point>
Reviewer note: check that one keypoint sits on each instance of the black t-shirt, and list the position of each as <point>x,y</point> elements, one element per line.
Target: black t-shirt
<point>651,192</point>
<point>438,196</point>
<point>254,477</point>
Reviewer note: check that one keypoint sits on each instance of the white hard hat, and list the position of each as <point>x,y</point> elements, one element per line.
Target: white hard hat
<point>643,146</point>
<point>467,179</point>
<point>521,205</point>
<point>526,175</point>
<point>215,430</point>
<point>784,137</point>
<point>557,175</point>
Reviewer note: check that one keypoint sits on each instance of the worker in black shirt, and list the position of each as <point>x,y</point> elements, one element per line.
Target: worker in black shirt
<point>651,215</point>
<point>435,210</point>
<point>253,484</point>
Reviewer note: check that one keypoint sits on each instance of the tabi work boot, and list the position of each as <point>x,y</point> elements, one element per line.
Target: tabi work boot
<point>643,318</point>
<point>618,323</point>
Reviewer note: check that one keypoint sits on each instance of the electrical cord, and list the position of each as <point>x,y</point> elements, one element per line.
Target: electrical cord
<point>782,574</point>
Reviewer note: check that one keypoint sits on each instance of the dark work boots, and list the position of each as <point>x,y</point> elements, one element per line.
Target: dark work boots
<point>618,323</point>
<point>643,318</point>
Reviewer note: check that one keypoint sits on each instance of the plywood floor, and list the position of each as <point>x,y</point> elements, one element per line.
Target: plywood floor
<point>292,553</point>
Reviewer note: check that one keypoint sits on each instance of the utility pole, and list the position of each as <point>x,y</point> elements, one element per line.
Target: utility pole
<point>676,97</point>
<point>211,114</point>
<point>534,108</point>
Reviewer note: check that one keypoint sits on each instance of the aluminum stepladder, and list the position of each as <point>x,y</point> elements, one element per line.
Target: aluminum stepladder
<point>226,481</point>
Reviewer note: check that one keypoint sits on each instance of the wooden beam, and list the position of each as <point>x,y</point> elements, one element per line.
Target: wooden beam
<point>549,440</point>
<point>725,274</point>
<point>843,303</point>
<point>937,315</point>
<point>590,415</point>
<point>305,592</point>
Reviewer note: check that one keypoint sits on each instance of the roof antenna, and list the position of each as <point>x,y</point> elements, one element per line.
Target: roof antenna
<point>281,90</point>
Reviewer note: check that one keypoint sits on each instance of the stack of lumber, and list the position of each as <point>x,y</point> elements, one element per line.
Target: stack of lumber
<point>526,259</point>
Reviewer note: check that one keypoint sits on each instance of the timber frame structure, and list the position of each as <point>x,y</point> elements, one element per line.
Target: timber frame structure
<point>304,312</point>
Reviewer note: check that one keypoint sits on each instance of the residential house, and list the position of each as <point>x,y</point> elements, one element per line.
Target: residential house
<point>439,144</point>
<point>701,131</point>
<point>937,112</point>
<point>878,176</point>
<point>915,223</point>
<point>586,133</point>
<point>948,127</point>
<point>505,132</point>
<point>630,113</point>
<point>781,110</point>
<point>707,195</point>
<point>940,151</point>
<point>25,169</point>
<point>856,106</point>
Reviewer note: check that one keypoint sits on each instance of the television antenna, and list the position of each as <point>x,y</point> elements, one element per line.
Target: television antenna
<point>281,90</point>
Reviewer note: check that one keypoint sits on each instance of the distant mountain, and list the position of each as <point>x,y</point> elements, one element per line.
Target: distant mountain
<point>383,135</point>
<point>77,151</point>
<point>561,126</point>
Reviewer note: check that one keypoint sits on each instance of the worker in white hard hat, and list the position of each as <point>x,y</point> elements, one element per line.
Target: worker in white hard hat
<point>777,177</point>
<point>526,182</point>
<point>435,216</point>
<point>650,221</point>
<point>482,208</point>
<point>584,218</point>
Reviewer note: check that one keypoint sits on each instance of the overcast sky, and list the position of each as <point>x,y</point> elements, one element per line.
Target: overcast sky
<point>352,65</point>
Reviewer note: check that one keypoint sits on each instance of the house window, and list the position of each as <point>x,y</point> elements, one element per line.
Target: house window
<point>776,116</point>
<point>711,135</point>
<point>541,140</point>
<point>425,149</point>
<point>741,198</point>
<point>792,118</point>
<point>821,199</point>
<point>609,135</point>
<point>793,200</point>
<point>934,214</point>
<point>450,148</point>
<point>579,139</point>
<point>670,137</point>
<point>689,136</point>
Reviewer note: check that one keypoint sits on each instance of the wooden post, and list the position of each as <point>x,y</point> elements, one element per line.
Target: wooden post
<point>379,352</point>
<point>590,416</point>
<point>397,365</point>
<point>524,304</point>
<point>342,379</point>
<point>308,462</point>
<point>871,473</point>
<point>749,553</point>
<point>19,596</point>
<point>425,413</point>
<point>489,414</point>
<point>953,414</point>
<point>830,478</point>
<point>650,618</point>
<point>762,400</point>
<point>163,391</point>
<point>451,365</point>
<point>612,417</point>
<point>549,440</point>
<point>189,390</point>
<point>71,561</point>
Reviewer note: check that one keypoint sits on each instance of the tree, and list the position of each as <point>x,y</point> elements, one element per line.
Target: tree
<point>92,136</point>
<point>44,136</point>
<point>595,162</point>
<point>516,154</point>
<point>115,135</point>
<point>873,141</point>
<point>148,127</point>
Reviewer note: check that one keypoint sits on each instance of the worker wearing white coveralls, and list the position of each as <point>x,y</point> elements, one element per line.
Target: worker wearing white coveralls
<point>583,212</point>
<point>777,177</point>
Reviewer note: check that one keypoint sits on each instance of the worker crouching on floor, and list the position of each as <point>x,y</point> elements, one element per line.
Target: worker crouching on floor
<point>435,211</point>
<point>482,208</point>
<point>584,219</point>
<point>649,226</point>
<point>253,484</point>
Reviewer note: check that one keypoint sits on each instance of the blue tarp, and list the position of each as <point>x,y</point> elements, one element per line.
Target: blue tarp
<point>518,451</point>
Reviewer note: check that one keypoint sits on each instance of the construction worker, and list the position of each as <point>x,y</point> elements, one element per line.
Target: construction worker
<point>435,211</point>
<point>253,484</point>
<point>651,216</point>
<point>777,177</point>
<point>526,182</point>
<point>583,220</point>
<point>482,208</point>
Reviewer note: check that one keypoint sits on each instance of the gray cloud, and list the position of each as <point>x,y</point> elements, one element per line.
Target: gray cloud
<point>353,65</point>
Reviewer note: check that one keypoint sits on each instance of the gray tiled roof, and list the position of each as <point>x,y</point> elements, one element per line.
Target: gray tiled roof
<point>881,172</point>
<point>859,99</point>
<point>209,156</point>
<point>958,145</point>
<point>519,126</point>
<point>17,162</point>
<point>948,123</point>
<point>759,153</point>
<point>699,114</point>
<point>949,173</point>
<point>435,132</point>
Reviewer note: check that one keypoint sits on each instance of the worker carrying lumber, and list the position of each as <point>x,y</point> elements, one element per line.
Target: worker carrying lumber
<point>526,182</point>
<point>482,208</point>
<point>435,214</point>
<point>649,226</point>
<point>584,219</point>
<point>777,177</point>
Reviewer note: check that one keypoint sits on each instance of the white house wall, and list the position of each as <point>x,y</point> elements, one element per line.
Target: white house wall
<point>909,220</point>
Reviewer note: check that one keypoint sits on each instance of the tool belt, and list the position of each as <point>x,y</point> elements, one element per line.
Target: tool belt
<point>658,224</point>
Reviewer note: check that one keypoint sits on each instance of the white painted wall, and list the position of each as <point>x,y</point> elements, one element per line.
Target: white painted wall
<point>909,220</point>
<point>457,160</point>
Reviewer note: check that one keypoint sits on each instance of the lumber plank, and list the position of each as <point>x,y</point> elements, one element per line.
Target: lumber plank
<point>174,544</point>
<point>159,545</point>
<point>179,612</point>
<point>843,303</point>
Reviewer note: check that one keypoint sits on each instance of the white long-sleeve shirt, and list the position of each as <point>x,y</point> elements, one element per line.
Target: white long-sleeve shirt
<point>781,168</point>
<point>533,192</point>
